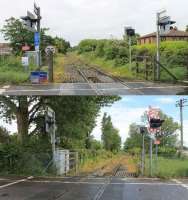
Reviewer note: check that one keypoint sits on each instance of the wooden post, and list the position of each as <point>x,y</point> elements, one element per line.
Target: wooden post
<point>154,69</point>
<point>77,163</point>
<point>146,68</point>
<point>50,66</point>
<point>137,68</point>
<point>187,67</point>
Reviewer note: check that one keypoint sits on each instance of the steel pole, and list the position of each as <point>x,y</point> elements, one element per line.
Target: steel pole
<point>130,53</point>
<point>151,157</point>
<point>143,155</point>
<point>54,140</point>
<point>38,30</point>
<point>156,156</point>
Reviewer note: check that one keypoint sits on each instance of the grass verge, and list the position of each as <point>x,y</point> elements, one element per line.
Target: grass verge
<point>169,168</point>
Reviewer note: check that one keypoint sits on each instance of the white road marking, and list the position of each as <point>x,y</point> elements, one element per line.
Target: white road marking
<point>6,87</point>
<point>13,183</point>
<point>2,91</point>
<point>180,183</point>
<point>16,182</point>
<point>103,183</point>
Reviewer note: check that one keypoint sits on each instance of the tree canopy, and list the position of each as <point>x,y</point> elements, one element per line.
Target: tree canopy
<point>168,135</point>
<point>75,117</point>
<point>110,135</point>
<point>15,32</point>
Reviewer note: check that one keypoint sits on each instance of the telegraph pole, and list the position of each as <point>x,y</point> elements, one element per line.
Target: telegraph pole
<point>181,104</point>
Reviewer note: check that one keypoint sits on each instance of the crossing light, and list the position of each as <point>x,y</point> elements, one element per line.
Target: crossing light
<point>143,130</point>
<point>129,31</point>
<point>30,22</point>
<point>156,123</point>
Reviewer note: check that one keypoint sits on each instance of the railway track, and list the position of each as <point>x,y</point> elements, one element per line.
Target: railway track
<point>77,74</point>
<point>122,172</point>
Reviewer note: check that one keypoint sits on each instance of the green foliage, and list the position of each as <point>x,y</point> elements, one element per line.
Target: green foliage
<point>17,35</point>
<point>75,116</point>
<point>168,137</point>
<point>108,49</point>
<point>110,135</point>
<point>31,158</point>
<point>174,54</point>
<point>4,135</point>
<point>87,46</point>
<point>11,70</point>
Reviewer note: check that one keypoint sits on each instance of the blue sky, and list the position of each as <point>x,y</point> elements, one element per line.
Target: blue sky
<point>131,108</point>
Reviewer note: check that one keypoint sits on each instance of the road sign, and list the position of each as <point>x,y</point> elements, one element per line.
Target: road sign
<point>37,39</point>
<point>50,49</point>
<point>25,61</point>
<point>26,48</point>
<point>157,142</point>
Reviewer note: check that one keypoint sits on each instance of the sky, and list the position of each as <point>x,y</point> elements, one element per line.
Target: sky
<point>75,20</point>
<point>129,110</point>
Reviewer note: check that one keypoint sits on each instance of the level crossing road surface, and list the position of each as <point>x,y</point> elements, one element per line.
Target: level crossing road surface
<point>80,188</point>
<point>127,88</point>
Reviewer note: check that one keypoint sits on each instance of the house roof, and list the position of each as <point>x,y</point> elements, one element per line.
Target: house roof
<point>171,33</point>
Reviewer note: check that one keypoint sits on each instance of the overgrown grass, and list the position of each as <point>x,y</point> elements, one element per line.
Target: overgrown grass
<point>169,167</point>
<point>59,68</point>
<point>121,71</point>
<point>12,71</point>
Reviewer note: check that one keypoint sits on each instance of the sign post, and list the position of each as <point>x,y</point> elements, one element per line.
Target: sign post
<point>155,124</point>
<point>50,51</point>
<point>130,32</point>
<point>25,63</point>
<point>51,128</point>
<point>32,22</point>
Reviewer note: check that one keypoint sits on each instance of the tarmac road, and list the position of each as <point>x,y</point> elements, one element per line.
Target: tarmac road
<point>128,88</point>
<point>93,189</point>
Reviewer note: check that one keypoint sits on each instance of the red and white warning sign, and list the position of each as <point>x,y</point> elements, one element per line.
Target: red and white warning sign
<point>157,142</point>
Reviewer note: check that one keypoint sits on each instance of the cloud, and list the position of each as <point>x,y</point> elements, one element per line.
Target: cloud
<point>165,100</point>
<point>122,118</point>
<point>79,19</point>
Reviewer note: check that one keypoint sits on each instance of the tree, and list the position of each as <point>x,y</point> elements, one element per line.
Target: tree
<point>168,136</point>
<point>24,110</point>
<point>186,28</point>
<point>15,32</point>
<point>4,135</point>
<point>75,116</point>
<point>110,135</point>
<point>17,35</point>
<point>135,138</point>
